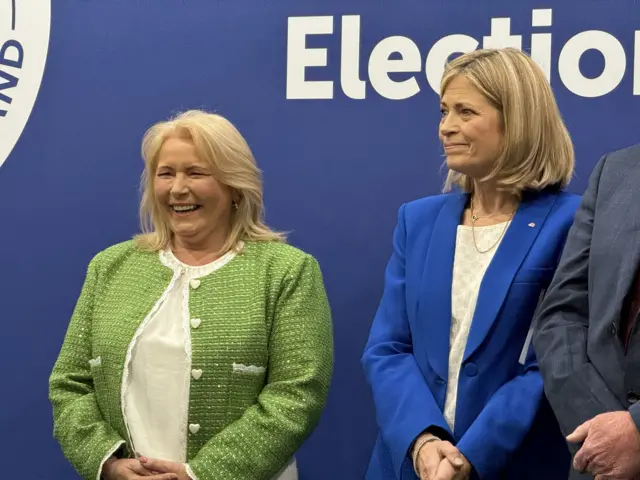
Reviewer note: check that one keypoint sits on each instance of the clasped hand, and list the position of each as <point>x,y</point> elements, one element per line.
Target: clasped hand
<point>440,460</point>
<point>143,469</point>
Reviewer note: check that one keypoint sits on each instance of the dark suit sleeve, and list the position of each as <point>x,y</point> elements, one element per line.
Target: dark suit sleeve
<point>634,410</point>
<point>405,406</point>
<point>575,389</point>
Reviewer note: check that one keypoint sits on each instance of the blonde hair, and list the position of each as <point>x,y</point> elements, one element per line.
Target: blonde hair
<point>537,151</point>
<point>222,146</point>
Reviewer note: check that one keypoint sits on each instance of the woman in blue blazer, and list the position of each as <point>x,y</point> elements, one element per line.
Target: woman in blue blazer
<point>449,360</point>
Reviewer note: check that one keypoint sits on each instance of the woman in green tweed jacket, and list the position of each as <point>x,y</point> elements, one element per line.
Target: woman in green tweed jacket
<point>202,349</point>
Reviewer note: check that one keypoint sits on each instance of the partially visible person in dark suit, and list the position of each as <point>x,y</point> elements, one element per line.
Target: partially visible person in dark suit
<point>454,379</point>
<point>587,340</point>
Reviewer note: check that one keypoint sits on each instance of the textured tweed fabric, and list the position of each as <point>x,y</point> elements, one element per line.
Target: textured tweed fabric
<point>266,310</point>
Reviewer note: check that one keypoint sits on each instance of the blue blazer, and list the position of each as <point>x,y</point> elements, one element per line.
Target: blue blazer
<point>504,425</point>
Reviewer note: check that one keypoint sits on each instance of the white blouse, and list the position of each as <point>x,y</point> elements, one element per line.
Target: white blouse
<point>157,374</point>
<point>156,395</point>
<point>469,267</point>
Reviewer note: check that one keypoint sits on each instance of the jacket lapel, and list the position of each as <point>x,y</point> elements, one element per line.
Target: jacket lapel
<point>624,226</point>
<point>508,258</point>
<point>434,308</point>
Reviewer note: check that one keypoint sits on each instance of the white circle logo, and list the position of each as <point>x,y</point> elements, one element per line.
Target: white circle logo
<point>24,42</point>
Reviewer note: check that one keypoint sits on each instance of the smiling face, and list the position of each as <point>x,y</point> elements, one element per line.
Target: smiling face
<point>197,206</point>
<point>470,129</point>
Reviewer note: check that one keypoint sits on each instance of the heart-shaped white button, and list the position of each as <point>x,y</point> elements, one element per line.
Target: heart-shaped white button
<point>196,373</point>
<point>194,428</point>
<point>195,322</point>
<point>195,283</point>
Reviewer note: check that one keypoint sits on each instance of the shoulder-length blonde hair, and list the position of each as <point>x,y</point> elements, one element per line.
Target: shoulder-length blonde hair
<point>222,146</point>
<point>537,151</point>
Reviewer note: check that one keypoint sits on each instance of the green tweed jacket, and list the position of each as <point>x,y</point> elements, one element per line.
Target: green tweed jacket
<point>265,308</point>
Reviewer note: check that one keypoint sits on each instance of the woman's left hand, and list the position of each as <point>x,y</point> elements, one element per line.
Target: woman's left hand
<point>163,466</point>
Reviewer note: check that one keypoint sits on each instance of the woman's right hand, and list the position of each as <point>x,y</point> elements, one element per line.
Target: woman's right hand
<point>131,469</point>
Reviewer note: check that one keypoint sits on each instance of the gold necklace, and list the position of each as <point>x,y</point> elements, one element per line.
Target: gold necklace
<point>475,218</point>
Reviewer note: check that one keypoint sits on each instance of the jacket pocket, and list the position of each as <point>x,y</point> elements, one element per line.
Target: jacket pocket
<point>534,275</point>
<point>245,385</point>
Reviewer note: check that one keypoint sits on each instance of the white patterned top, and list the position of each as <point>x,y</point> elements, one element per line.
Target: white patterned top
<point>469,267</point>
<point>156,395</point>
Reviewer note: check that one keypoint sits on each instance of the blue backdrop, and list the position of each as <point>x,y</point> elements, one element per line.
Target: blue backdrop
<point>336,167</point>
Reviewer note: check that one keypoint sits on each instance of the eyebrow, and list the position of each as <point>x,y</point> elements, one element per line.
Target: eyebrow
<point>458,104</point>
<point>189,167</point>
